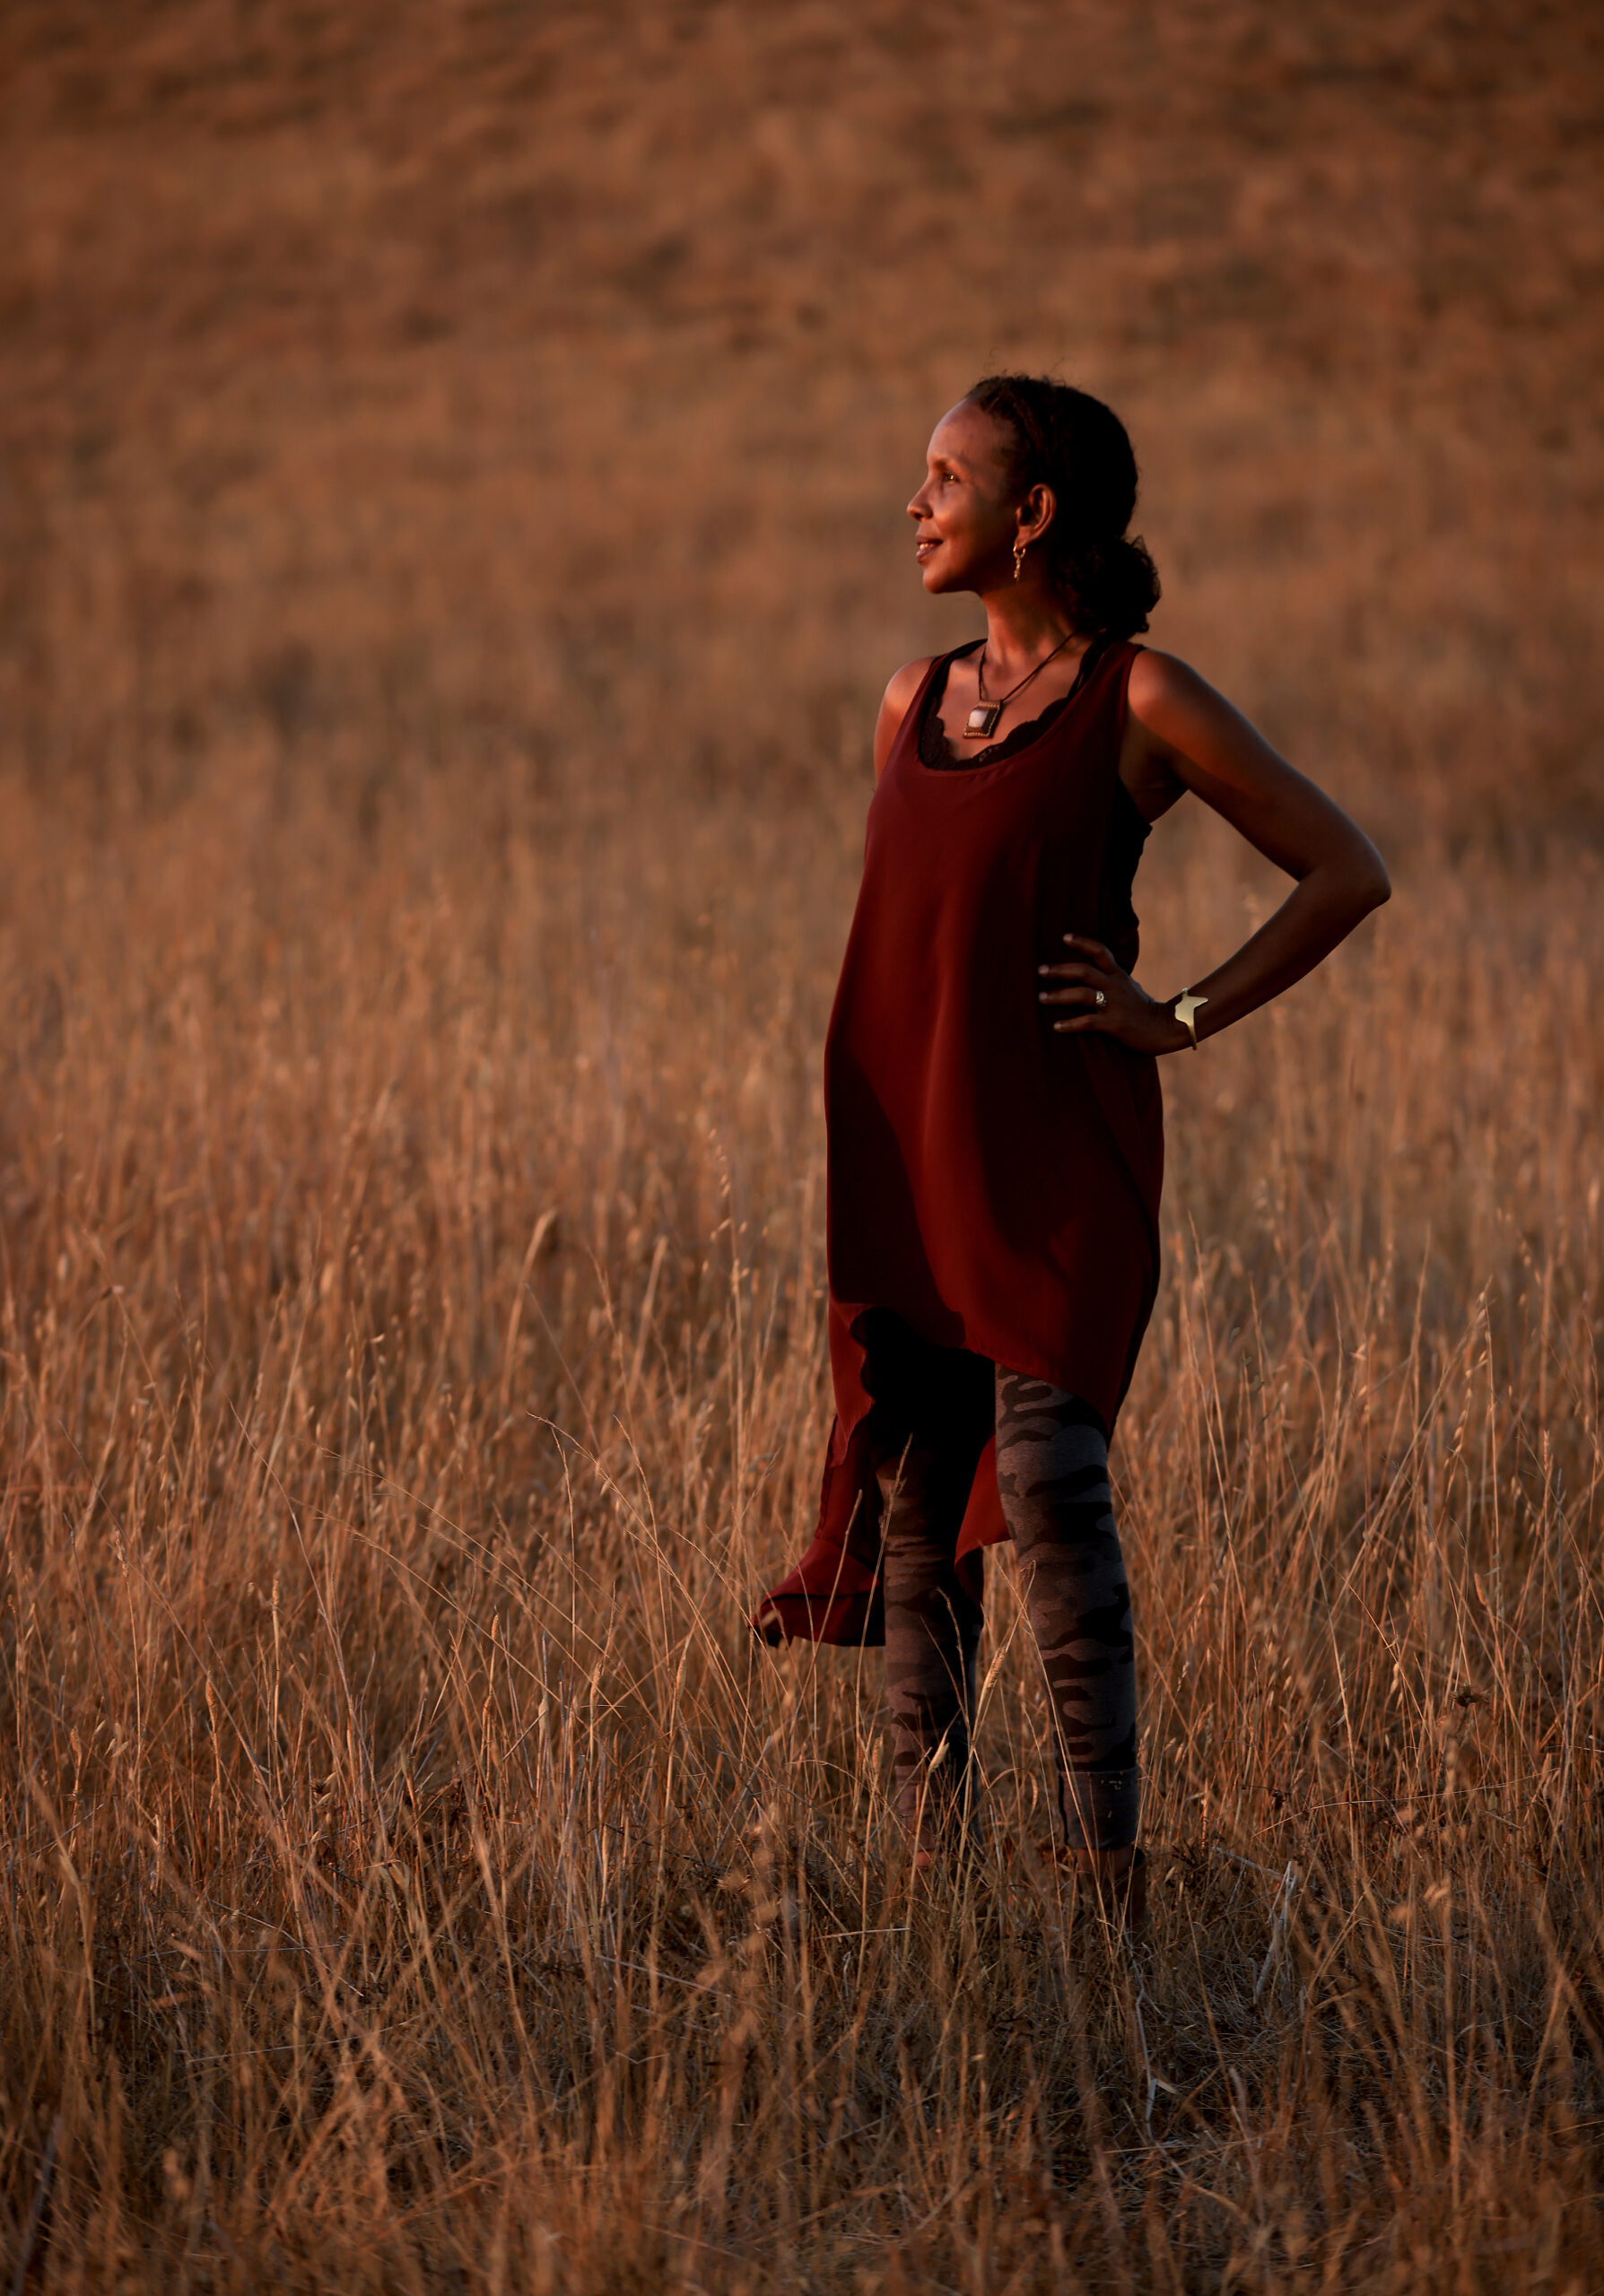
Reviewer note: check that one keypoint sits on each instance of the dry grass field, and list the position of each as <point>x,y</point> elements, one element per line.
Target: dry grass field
<point>451,469</point>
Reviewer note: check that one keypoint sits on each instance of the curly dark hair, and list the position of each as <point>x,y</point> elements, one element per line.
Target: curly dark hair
<point>1068,440</point>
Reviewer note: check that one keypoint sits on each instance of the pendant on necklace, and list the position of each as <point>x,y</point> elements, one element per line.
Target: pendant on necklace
<point>982,718</point>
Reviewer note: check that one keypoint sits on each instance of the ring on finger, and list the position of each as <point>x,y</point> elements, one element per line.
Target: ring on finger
<point>1101,999</point>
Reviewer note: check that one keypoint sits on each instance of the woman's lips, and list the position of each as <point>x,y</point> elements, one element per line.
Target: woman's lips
<point>922,550</point>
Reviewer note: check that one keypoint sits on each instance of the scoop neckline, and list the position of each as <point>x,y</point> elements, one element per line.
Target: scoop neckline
<point>1042,726</point>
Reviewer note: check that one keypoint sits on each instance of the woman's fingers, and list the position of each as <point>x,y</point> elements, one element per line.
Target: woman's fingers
<point>1087,983</point>
<point>1102,957</point>
<point>1083,984</point>
<point>1097,1010</point>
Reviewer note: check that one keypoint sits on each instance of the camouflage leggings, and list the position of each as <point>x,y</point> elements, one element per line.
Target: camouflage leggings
<point>1052,1475</point>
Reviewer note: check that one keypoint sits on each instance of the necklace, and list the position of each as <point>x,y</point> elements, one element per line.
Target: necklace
<point>982,720</point>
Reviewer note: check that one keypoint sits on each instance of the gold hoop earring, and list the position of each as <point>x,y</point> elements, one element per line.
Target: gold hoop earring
<point>1020,547</point>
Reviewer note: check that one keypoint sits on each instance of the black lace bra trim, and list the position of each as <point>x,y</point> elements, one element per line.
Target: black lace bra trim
<point>1128,826</point>
<point>933,749</point>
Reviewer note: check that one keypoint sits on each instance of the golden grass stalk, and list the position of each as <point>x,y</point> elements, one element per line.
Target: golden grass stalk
<point>412,1367</point>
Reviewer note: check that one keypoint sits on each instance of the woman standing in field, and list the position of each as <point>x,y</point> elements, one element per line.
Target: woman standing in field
<point>996,1140</point>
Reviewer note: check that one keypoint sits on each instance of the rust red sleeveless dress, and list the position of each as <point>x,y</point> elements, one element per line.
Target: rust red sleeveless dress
<point>992,1184</point>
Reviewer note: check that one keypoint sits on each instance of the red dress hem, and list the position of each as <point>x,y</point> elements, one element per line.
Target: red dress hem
<point>993,1186</point>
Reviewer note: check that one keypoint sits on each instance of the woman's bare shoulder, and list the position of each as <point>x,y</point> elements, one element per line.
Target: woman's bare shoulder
<point>1184,717</point>
<point>905,683</point>
<point>894,706</point>
<point>1162,681</point>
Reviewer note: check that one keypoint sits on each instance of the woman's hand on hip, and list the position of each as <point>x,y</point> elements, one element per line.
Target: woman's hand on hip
<point>1091,993</point>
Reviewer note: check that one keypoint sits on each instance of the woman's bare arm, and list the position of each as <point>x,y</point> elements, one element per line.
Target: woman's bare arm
<point>1183,735</point>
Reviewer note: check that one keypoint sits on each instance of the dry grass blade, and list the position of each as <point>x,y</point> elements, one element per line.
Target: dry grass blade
<point>431,819</point>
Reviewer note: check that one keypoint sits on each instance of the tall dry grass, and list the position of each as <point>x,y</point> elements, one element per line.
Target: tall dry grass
<point>414,1365</point>
<point>433,750</point>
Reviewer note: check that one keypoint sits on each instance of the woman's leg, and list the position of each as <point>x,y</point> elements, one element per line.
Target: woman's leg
<point>932,1634</point>
<point>1053,1476</point>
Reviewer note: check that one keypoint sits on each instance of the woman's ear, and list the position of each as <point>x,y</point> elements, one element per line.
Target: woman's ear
<point>1036,513</point>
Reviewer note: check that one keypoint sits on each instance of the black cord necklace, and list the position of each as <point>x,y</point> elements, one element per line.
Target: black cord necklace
<point>982,718</point>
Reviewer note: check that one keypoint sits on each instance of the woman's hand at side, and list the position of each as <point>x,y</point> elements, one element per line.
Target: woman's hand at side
<point>1181,735</point>
<point>1093,993</point>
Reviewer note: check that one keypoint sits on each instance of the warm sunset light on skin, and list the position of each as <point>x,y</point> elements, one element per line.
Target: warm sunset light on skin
<point>454,471</point>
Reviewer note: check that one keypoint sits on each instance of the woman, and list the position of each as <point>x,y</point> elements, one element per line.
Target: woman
<point>992,1102</point>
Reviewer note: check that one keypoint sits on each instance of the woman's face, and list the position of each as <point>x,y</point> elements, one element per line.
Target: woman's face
<point>967,514</point>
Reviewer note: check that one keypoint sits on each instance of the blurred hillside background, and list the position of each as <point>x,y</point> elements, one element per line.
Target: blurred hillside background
<point>452,470</point>
<point>535,390</point>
